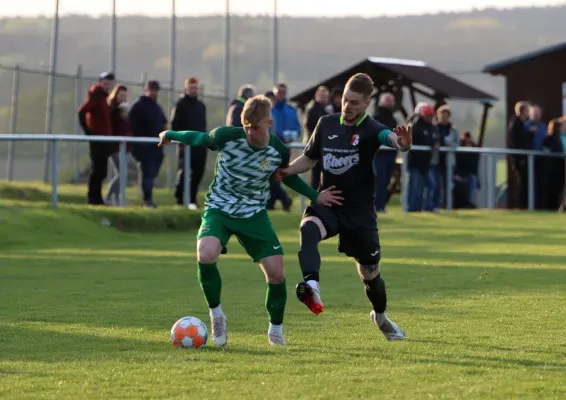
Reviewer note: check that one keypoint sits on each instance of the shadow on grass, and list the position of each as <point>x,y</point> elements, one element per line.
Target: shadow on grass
<point>34,345</point>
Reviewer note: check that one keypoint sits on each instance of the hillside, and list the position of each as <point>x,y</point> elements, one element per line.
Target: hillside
<point>310,49</point>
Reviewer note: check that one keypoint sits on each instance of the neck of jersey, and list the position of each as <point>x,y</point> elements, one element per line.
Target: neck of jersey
<point>362,119</point>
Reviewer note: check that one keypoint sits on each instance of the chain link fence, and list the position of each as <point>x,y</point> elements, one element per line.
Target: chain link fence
<point>25,111</point>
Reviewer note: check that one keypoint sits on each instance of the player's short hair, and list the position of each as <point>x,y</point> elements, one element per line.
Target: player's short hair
<point>360,83</point>
<point>256,109</point>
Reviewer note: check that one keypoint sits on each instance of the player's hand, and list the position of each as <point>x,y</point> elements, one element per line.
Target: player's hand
<point>162,140</point>
<point>404,137</point>
<point>330,197</point>
<point>280,174</point>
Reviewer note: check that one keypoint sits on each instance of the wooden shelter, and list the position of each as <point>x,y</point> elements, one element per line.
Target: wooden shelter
<point>393,75</point>
<point>536,77</point>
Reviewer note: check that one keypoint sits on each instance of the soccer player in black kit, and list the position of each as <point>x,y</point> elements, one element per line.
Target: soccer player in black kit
<point>345,144</point>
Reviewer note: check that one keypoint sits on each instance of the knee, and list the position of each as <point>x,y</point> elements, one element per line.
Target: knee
<point>207,254</point>
<point>312,230</point>
<point>276,276</point>
<point>368,270</point>
<point>273,269</point>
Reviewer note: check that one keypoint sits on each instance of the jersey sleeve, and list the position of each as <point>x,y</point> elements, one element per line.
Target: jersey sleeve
<point>191,138</point>
<point>313,149</point>
<point>224,134</point>
<point>282,150</point>
<point>383,135</point>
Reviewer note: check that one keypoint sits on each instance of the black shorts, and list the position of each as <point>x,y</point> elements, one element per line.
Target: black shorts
<point>357,232</point>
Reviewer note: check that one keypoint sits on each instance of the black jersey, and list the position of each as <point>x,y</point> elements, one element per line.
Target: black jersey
<point>346,155</point>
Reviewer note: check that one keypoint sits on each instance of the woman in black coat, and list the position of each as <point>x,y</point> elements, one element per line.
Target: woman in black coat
<point>556,166</point>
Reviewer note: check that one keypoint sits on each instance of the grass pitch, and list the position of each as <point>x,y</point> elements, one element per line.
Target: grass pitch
<point>85,312</point>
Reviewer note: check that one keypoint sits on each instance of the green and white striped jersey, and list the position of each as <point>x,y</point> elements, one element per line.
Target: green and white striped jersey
<point>242,173</point>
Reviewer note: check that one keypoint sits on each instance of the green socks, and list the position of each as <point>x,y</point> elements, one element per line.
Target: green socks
<point>275,301</point>
<point>210,282</point>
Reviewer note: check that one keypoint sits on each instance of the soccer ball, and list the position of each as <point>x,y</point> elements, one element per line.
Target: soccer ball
<point>189,332</point>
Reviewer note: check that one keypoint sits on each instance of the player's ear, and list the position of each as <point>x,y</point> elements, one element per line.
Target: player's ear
<point>270,121</point>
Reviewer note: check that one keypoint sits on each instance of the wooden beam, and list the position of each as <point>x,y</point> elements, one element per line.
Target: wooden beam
<point>483,124</point>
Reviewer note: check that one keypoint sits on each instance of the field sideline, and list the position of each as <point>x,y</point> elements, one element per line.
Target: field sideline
<point>86,309</point>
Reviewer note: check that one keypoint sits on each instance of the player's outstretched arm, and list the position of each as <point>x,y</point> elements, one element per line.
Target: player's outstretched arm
<point>328,197</point>
<point>300,165</point>
<point>401,138</point>
<point>190,138</point>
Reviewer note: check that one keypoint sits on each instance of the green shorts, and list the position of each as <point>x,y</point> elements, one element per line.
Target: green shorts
<point>255,234</point>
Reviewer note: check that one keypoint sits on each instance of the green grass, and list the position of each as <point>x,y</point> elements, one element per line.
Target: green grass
<point>86,309</point>
<point>73,194</point>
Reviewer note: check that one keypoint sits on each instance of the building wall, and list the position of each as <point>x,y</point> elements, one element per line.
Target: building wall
<point>538,81</point>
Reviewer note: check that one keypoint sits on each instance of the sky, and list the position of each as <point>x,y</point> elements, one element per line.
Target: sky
<point>325,8</point>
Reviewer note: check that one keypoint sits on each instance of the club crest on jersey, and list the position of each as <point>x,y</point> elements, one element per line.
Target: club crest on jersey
<point>265,165</point>
<point>355,140</point>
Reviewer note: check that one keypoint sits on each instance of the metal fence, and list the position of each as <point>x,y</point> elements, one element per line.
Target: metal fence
<point>489,156</point>
<point>31,105</point>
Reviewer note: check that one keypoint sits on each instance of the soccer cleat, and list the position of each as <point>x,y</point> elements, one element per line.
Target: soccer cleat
<point>310,297</point>
<point>390,329</point>
<point>275,335</point>
<point>219,334</point>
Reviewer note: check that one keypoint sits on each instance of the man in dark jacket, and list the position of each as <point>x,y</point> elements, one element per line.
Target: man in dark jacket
<point>520,138</point>
<point>316,109</point>
<point>384,161</point>
<point>189,114</point>
<point>234,116</point>
<point>148,120</point>
<point>419,161</point>
<point>94,118</point>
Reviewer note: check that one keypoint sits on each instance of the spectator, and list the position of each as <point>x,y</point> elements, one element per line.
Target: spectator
<point>234,116</point>
<point>285,119</point>
<point>94,118</point>
<point>271,96</point>
<point>555,142</point>
<point>416,112</point>
<point>189,114</point>
<point>520,138</point>
<point>148,120</point>
<point>384,161</point>
<point>316,109</point>
<point>466,174</point>
<point>419,161</point>
<point>336,98</point>
<point>120,127</point>
<point>287,128</point>
<point>448,138</point>
<point>538,130</point>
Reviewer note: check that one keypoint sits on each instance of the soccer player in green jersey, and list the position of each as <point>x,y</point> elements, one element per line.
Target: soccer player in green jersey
<point>235,205</point>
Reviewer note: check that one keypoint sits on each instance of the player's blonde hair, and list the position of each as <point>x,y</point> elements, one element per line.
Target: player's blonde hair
<point>256,109</point>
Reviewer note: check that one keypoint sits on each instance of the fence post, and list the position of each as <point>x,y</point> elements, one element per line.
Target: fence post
<point>77,100</point>
<point>404,182</point>
<point>13,122</point>
<point>123,171</point>
<point>54,172</point>
<point>187,176</point>
<point>143,81</point>
<point>490,181</point>
<point>449,178</point>
<point>54,52</point>
<point>531,165</point>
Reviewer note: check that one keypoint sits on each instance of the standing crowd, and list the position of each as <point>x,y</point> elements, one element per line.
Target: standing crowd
<point>528,131</point>
<point>107,112</point>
